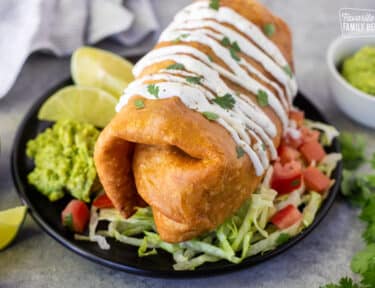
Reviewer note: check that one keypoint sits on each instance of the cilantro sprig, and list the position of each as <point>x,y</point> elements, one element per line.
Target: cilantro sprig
<point>215,4</point>
<point>153,90</point>
<point>360,190</point>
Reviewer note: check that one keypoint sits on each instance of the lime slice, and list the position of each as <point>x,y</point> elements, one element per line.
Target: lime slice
<point>101,69</point>
<point>10,222</point>
<point>83,104</point>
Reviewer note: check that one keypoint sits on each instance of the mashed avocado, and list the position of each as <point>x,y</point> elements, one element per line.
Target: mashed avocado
<point>359,70</point>
<point>63,157</point>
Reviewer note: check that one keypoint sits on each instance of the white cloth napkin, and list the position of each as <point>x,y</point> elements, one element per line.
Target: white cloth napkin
<point>61,26</point>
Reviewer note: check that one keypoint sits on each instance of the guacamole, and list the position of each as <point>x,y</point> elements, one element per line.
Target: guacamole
<point>64,163</point>
<point>359,70</point>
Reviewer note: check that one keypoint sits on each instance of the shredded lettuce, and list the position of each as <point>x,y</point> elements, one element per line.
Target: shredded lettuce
<point>311,208</point>
<point>329,163</point>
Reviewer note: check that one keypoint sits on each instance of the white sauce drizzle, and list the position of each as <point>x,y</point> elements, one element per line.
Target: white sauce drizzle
<point>246,120</point>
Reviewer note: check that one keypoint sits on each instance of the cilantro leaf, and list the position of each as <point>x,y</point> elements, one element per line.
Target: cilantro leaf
<point>357,188</point>
<point>288,70</point>
<point>234,55</point>
<point>283,238</point>
<point>194,80</point>
<point>372,161</point>
<point>210,58</point>
<point>269,29</point>
<point>363,259</point>
<point>369,276</point>
<point>226,102</point>
<point>225,42</point>
<point>240,152</point>
<point>235,47</point>
<point>352,149</point>
<point>210,115</point>
<point>215,4</point>
<point>139,104</point>
<point>262,98</point>
<point>153,90</point>
<point>176,66</point>
<point>344,283</point>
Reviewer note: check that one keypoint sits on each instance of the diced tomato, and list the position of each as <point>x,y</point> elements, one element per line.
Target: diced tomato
<point>312,151</point>
<point>286,178</point>
<point>286,217</point>
<point>297,116</point>
<point>309,135</point>
<point>315,180</point>
<point>75,216</point>
<point>287,154</point>
<point>102,201</point>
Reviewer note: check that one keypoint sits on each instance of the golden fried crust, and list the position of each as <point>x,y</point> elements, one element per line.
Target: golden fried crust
<point>181,164</point>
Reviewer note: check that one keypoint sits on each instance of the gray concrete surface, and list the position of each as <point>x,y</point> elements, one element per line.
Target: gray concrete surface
<point>36,260</point>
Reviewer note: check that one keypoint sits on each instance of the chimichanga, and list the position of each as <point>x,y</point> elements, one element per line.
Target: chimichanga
<point>199,126</point>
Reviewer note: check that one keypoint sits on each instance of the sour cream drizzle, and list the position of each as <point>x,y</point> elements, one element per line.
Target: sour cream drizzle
<point>249,126</point>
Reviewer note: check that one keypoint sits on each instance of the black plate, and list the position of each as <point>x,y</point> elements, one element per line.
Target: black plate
<point>121,256</point>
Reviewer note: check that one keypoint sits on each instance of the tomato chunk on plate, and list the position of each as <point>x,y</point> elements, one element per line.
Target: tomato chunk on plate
<point>102,201</point>
<point>287,154</point>
<point>286,178</point>
<point>75,216</point>
<point>309,135</point>
<point>286,217</point>
<point>312,151</point>
<point>315,180</point>
<point>297,116</point>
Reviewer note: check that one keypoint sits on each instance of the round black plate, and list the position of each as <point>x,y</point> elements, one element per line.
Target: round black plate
<point>121,256</point>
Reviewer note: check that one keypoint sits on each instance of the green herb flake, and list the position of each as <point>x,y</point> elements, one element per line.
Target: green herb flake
<point>176,66</point>
<point>226,42</point>
<point>194,80</point>
<point>226,102</point>
<point>139,104</point>
<point>296,182</point>
<point>236,47</point>
<point>352,149</point>
<point>234,55</point>
<point>283,238</point>
<point>210,115</point>
<point>269,29</point>
<point>179,38</point>
<point>153,90</point>
<point>215,4</point>
<point>68,221</point>
<point>288,71</point>
<point>262,98</point>
<point>240,152</point>
<point>210,58</point>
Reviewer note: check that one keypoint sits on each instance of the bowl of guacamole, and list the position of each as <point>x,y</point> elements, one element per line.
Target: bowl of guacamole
<point>351,65</point>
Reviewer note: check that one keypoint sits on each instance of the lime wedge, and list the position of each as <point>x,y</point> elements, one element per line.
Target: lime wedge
<point>101,69</point>
<point>83,104</point>
<point>10,222</point>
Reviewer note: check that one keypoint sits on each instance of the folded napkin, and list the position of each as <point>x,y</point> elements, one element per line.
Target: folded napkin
<point>61,26</point>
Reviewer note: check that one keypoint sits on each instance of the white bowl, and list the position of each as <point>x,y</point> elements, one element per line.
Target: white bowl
<point>358,105</point>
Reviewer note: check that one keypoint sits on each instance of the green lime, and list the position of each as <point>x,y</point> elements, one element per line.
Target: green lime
<point>10,222</point>
<point>101,69</point>
<point>83,104</point>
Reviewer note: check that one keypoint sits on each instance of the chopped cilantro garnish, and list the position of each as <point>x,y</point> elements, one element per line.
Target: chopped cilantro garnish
<point>176,66</point>
<point>210,115</point>
<point>194,80</point>
<point>210,58</point>
<point>233,48</point>
<point>179,38</point>
<point>215,4</point>
<point>283,238</point>
<point>226,102</point>
<point>296,182</point>
<point>234,55</point>
<point>68,221</point>
<point>225,42</point>
<point>288,71</point>
<point>139,104</point>
<point>240,152</point>
<point>262,98</point>
<point>269,29</point>
<point>153,90</point>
